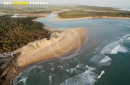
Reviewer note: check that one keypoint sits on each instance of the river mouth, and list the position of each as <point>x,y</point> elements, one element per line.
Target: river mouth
<point>108,48</point>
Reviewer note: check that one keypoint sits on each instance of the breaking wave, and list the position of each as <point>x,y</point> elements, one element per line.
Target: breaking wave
<point>119,48</point>
<point>89,77</point>
<point>22,77</point>
<point>105,60</point>
<point>103,72</point>
<point>86,78</point>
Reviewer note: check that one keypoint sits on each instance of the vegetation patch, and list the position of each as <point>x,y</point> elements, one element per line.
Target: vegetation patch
<point>17,32</point>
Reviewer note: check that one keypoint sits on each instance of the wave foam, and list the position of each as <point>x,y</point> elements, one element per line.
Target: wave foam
<point>50,79</point>
<point>90,68</point>
<point>23,80</point>
<point>124,38</point>
<point>128,38</point>
<point>71,70</point>
<point>119,48</point>
<point>97,58</point>
<point>103,72</point>
<point>85,78</point>
<point>116,46</point>
<point>105,60</point>
<point>107,49</point>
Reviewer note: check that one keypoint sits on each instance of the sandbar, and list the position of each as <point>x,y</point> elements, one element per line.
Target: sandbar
<point>60,43</point>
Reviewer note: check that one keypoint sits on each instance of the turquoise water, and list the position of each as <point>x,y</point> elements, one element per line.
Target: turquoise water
<point>105,60</point>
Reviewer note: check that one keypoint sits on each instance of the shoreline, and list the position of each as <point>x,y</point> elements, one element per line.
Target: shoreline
<point>62,19</point>
<point>62,42</point>
<point>41,16</point>
<point>41,50</point>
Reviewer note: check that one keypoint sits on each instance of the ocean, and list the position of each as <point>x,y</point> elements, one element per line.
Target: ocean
<point>105,60</point>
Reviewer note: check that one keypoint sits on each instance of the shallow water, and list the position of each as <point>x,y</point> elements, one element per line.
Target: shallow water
<point>104,61</point>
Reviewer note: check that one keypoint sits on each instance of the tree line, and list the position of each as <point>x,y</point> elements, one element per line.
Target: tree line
<point>17,32</point>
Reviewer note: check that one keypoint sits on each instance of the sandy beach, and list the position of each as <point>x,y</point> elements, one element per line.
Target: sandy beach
<point>105,17</point>
<point>60,43</point>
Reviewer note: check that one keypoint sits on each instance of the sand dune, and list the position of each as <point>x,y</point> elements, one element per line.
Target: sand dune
<point>60,43</point>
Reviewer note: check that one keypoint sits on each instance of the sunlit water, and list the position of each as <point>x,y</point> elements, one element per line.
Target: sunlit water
<point>105,60</point>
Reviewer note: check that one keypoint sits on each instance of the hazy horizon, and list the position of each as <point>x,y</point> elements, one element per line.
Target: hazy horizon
<point>81,2</point>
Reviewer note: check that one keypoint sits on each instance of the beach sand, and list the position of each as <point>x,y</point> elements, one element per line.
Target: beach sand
<point>104,17</point>
<point>61,19</point>
<point>60,43</point>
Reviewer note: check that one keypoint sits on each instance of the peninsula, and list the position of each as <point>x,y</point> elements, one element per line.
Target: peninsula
<point>31,43</point>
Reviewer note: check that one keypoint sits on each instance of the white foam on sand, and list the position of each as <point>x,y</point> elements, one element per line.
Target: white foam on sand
<point>86,78</point>
<point>105,60</point>
<point>119,48</point>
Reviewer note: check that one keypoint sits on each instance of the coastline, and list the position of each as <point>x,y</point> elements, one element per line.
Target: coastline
<point>62,19</point>
<point>41,16</point>
<point>60,43</point>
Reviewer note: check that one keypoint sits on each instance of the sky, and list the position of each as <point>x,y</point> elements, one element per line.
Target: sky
<point>81,2</point>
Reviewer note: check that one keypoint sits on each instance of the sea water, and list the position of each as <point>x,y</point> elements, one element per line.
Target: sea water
<point>105,60</point>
